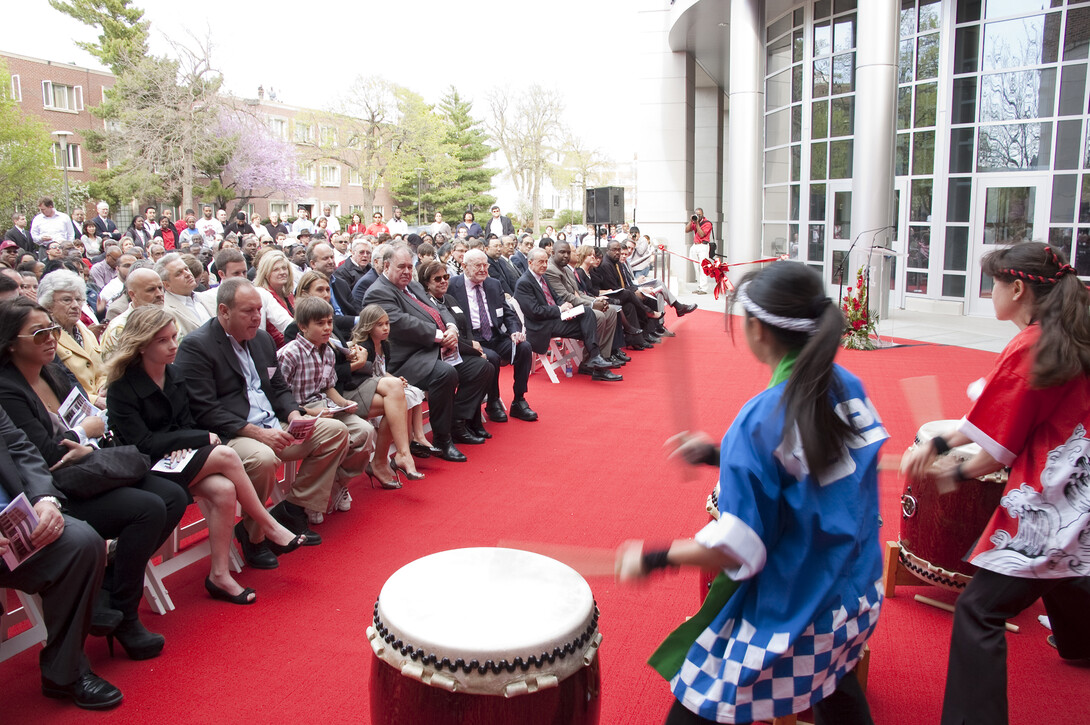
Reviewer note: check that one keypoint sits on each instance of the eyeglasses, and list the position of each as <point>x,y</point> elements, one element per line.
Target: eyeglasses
<point>440,278</point>
<point>40,336</point>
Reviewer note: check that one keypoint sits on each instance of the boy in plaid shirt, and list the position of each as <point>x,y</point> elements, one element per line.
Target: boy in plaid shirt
<point>307,364</point>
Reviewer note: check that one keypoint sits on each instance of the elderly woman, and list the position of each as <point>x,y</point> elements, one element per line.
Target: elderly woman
<point>62,294</point>
<point>274,275</point>
<point>139,516</point>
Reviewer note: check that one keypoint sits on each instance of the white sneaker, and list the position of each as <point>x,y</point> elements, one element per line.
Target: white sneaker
<point>315,517</point>
<point>344,500</point>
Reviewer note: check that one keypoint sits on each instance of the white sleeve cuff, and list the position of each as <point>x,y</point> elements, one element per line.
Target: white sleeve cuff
<point>733,537</point>
<point>990,446</point>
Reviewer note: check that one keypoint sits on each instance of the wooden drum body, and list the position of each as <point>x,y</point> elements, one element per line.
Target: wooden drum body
<point>485,636</point>
<point>939,530</point>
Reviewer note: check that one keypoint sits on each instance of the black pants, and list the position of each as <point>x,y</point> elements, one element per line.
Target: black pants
<point>454,393</point>
<point>976,677</point>
<point>584,327</point>
<point>140,517</point>
<point>846,706</point>
<point>67,574</point>
<point>498,352</point>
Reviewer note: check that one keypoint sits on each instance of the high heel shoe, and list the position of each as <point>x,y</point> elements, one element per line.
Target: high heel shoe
<point>241,598</point>
<point>136,640</point>
<point>281,549</point>
<point>398,470</point>
<point>394,484</point>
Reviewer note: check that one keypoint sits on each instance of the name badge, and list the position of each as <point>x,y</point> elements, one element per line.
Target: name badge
<point>499,312</point>
<point>454,308</point>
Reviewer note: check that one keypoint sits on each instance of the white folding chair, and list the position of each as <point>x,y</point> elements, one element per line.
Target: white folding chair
<point>29,608</point>
<point>561,351</point>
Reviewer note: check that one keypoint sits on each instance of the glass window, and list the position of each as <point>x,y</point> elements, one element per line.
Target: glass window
<point>1063,198</point>
<point>930,14</point>
<point>958,202</point>
<point>1084,201</point>
<point>957,249</point>
<point>1018,95</point>
<point>927,60</point>
<point>966,42</point>
<point>842,120</point>
<point>1073,89</point>
<point>778,90</point>
<point>953,285</point>
<point>796,162</point>
<point>961,150</point>
<point>779,27</point>
<point>775,238</point>
<point>1022,42</point>
<point>901,161</point>
<point>1081,262</point>
<point>964,106</point>
<point>818,160</point>
<point>817,202</point>
<point>779,53</point>
<point>822,8</point>
<point>923,153</point>
<point>823,38</point>
<point>796,123</point>
<point>793,211</point>
<point>796,84</point>
<point>776,202</point>
<point>925,104</point>
<point>1068,141</point>
<point>844,73</point>
<point>968,11</point>
<point>1008,214</point>
<point>1003,8</point>
<point>842,6</point>
<point>1014,146</point>
<point>842,215</point>
<point>920,209</point>
<point>840,159</point>
<point>904,108</point>
<point>776,169</point>
<point>839,262</point>
<point>916,282</point>
<point>796,46</point>
<point>822,71</point>
<point>1059,238</point>
<point>1077,35</point>
<point>908,18</point>
<point>777,128</point>
<point>820,119</point>
<point>905,66</point>
<point>793,245</point>
<point>815,247</point>
<point>919,247</point>
<point>844,33</point>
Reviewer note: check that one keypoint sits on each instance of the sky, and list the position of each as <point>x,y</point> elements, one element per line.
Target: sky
<point>310,51</point>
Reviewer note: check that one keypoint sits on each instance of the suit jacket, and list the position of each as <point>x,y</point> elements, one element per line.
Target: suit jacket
<point>500,269</point>
<point>537,310</point>
<point>155,420</point>
<point>564,280</point>
<point>28,413</point>
<point>449,306</point>
<point>413,348</point>
<point>85,361</point>
<point>359,290</point>
<point>505,222</point>
<point>216,384</point>
<point>342,284</point>
<point>184,319</point>
<point>107,228</point>
<point>22,469</point>
<point>22,238</point>
<point>503,319</point>
<point>587,285</point>
<point>606,275</point>
<point>520,261</point>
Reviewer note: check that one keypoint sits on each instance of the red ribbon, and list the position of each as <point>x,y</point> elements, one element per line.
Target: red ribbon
<point>717,269</point>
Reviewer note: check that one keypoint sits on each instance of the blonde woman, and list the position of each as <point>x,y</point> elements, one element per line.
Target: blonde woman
<point>148,407</point>
<point>274,275</point>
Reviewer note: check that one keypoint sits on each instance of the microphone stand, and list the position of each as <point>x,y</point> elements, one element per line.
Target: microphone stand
<point>844,260</point>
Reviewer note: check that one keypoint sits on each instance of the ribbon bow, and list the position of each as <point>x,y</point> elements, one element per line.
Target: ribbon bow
<point>717,270</point>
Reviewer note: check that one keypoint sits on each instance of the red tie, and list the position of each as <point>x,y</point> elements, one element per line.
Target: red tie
<point>434,313</point>
<point>548,294</point>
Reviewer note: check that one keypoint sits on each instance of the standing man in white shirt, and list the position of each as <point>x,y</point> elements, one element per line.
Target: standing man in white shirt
<point>151,222</point>
<point>397,225</point>
<point>499,224</point>
<point>332,223</point>
<point>209,226</point>
<point>50,225</point>
<point>302,222</point>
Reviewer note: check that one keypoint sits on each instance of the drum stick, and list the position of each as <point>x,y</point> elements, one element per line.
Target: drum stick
<point>889,462</point>
<point>950,608</point>
<point>923,398</point>
<point>586,560</point>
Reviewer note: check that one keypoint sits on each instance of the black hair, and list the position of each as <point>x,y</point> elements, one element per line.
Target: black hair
<point>794,290</point>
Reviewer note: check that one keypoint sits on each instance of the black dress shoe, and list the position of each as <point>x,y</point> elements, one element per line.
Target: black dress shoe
<point>448,452</point>
<point>636,342</point>
<point>460,433</point>
<point>477,429</point>
<point>606,375</point>
<point>616,362</point>
<point>257,555</point>
<point>520,409</point>
<point>90,692</point>
<point>597,363</point>
<point>666,333</point>
<point>494,411</point>
<point>651,338</point>
<point>620,355</point>
<point>683,309</point>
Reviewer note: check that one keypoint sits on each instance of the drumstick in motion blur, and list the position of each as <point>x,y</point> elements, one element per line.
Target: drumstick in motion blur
<point>925,403</point>
<point>586,560</point>
<point>950,608</point>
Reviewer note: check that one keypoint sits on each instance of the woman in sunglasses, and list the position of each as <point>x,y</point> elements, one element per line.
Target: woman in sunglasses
<point>140,517</point>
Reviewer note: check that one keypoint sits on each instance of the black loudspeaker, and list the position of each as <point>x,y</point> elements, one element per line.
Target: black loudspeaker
<point>605,205</point>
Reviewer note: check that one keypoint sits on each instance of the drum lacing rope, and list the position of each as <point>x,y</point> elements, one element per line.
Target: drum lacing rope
<point>936,574</point>
<point>575,647</point>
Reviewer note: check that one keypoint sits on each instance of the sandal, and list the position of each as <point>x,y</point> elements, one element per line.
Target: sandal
<point>242,597</point>
<point>279,550</point>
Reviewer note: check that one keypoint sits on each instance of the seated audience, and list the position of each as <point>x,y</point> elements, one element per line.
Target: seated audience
<point>345,276</point>
<point>61,293</point>
<point>180,299</point>
<point>562,279</point>
<point>274,276</point>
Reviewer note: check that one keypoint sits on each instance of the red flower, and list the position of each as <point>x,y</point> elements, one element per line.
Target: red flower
<point>857,324</point>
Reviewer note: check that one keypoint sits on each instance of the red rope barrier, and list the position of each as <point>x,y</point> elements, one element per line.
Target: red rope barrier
<point>717,269</point>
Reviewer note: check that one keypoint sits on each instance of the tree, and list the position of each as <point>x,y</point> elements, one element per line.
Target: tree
<point>528,133</point>
<point>27,165</point>
<point>580,166</point>
<point>420,155</point>
<point>472,186</point>
<point>123,30</point>
<point>162,117</point>
<point>254,164</point>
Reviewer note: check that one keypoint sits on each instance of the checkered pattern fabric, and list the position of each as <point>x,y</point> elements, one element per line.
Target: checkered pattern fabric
<point>740,674</point>
<point>307,369</point>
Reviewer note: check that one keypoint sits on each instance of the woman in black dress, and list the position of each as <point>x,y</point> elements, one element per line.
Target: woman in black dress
<point>148,407</point>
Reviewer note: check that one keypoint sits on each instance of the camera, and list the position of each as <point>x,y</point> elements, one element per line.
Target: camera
<point>693,217</point>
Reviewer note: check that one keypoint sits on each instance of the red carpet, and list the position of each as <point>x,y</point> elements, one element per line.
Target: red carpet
<point>589,473</point>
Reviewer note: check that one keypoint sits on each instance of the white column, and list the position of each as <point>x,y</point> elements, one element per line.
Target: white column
<point>745,147</point>
<point>875,133</point>
<point>710,153</point>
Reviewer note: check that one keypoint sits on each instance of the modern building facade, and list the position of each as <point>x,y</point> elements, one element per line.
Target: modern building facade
<point>934,128</point>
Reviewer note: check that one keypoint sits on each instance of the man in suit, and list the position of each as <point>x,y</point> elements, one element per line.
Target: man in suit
<point>379,259</point>
<point>497,328</point>
<point>543,309</point>
<point>19,233</point>
<point>561,278</point>
<point>346,276</point>
<point>612,273</point>
<point>499,224</point>
<point>237,392</point>
<point>180,300</point>
<point>66,571</point>
<point>499,267</point>
<point>104,224</point>
<point>519,259</point>
<point>420,337</point>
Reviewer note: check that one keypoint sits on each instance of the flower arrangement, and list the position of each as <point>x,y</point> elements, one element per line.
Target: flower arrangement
<point>859,324</point>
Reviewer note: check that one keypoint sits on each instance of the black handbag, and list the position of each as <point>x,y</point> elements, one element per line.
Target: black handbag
<point>102,470</point>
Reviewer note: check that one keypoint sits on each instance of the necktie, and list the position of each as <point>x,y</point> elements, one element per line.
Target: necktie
<point>482,311</point>
<point>620,276</point>
<point>548,294</point>
<point>432,312</point>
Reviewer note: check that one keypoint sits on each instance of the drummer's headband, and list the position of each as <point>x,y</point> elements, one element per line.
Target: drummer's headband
<point>795,324</point>
<point>1062,269</point>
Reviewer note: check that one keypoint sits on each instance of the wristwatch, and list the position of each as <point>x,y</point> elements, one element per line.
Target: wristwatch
<point>51,499</point>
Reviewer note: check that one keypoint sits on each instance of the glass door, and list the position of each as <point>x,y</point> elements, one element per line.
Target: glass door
<point>838,230</point>
<point>1007,210</point>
